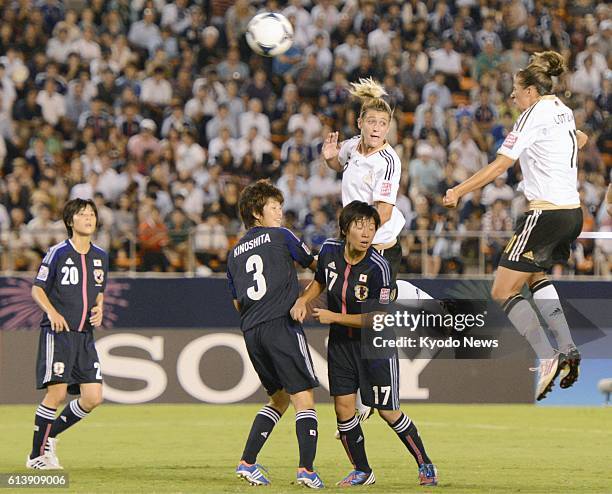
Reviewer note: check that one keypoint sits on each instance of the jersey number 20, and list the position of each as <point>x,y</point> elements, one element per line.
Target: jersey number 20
<point>71,275</point>
<point>254,265</point>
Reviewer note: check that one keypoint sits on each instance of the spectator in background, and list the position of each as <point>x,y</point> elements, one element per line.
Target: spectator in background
<point>145,34</point>
<point>306,121</point>
<point>255,118</point>
<point>448,61</point>
<point>438,86</point>
<point>153,239</point>
<point>144,141</point>
<point>425,172</point>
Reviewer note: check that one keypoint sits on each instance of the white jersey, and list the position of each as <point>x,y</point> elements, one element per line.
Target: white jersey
<point>371,179</point>
<point>544,140</point>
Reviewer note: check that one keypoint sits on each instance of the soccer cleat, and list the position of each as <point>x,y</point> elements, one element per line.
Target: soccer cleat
<point>548,370</point>
<point>570,368</point>
<point>357,477</point>
<point>428,474</point>
<point>253,474</point>
<point>309,479</point>
<point>51,452</point>
<point>42,462</point>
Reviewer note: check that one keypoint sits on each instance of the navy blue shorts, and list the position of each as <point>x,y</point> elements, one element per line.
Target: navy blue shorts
<point>280,355</point>
<point>67,357</point>
<point>348,371</point>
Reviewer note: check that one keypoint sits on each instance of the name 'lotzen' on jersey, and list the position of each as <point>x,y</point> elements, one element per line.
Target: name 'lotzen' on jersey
<point>544,140</point>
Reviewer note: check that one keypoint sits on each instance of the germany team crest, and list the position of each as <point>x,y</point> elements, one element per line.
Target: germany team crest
<point>361,292</point>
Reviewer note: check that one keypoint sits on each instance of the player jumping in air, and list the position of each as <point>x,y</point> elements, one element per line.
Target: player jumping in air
<point>545,141</point>
<point>69,289</point>
<point>264,285</point>
<point>355,275</point>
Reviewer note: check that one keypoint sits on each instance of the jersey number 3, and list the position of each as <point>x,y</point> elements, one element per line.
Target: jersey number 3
<point>71,275</point>
<point>254,265</point>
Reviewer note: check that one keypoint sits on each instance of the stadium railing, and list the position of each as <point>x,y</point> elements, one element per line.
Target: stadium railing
<point>426,254</point>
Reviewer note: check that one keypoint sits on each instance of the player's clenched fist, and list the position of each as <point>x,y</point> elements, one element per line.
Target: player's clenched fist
<point>451,199</point>
<point>298,311</point>
<point>330,146</point>
<point>324,316</point>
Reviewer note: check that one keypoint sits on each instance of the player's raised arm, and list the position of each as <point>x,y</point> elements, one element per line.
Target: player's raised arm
<point>58,323</point>
<point>481,178</point>
<point>331,150</point>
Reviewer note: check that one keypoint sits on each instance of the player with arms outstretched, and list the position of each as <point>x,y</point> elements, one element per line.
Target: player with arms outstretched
<point>545,141</point>
<point>357,280</point>
<point>69,288</point>
<point>264,285</point>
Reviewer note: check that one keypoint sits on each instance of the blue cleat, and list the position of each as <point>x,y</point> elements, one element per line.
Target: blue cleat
<point>428,474</point>
<point>309,479</point>
<point>357,477</point>
<point>253,474</point>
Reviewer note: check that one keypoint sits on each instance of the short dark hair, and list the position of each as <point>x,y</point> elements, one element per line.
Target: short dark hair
<point>253,199</point>
<point>73,207</point>
<point>354,211</point>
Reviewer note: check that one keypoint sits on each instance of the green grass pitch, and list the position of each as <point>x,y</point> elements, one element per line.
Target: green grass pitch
<point>195,448</point>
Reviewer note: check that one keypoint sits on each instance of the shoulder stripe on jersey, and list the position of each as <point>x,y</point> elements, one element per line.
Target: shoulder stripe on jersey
<point>98,247</point>
<point>522,116</point>
<point>52,251</point>
<point>385,274</point>
<point>390,167</point>
<point>332,241</point>
<point>383,265</point>
<point>292,234</point>
<point>522,125</point>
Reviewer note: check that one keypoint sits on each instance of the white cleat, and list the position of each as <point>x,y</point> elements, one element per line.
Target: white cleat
<point>42,462</point>
<point>548,370</point>
<point>51,452</point>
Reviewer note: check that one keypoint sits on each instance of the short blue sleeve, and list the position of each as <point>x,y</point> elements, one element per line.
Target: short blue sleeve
<point>300,253</point>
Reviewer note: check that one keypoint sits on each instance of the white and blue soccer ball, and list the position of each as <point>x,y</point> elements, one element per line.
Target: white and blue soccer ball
<point>269,34</point>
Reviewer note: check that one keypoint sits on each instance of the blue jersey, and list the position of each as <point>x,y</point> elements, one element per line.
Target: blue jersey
<point>72,282</point>
<point>352,288</point>
<point>262,276</point>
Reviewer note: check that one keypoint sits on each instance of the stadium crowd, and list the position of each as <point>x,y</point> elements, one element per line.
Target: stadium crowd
<point>160,112</point>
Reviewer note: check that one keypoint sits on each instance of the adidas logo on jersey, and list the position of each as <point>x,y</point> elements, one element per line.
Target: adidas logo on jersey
<point>265,434</point>
<point>332,265</point>
<point>528,255</point>
<point>63,418</point>
<point>69,262</point>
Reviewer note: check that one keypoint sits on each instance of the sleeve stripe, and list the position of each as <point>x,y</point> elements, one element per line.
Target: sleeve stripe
<point>390,166</point>
<point>292,234</point>
<point>52,251</point>
<point>331,241</point>
<point>522,124</point>
<point>383,265</point>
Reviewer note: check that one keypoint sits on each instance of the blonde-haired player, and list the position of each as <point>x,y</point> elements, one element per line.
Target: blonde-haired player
<point>546,142</point>
<point>371,172</point>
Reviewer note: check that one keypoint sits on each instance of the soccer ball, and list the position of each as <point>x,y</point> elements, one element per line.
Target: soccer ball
<point>269,34</point>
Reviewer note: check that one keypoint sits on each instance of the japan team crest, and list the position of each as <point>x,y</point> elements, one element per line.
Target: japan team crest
<point>361,292</point>
<point>98,276</point>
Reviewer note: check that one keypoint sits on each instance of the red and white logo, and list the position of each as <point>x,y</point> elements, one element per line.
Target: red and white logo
<point>385,189</point>
<point>511,139</point>
<point>385,295</point>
